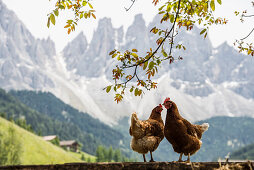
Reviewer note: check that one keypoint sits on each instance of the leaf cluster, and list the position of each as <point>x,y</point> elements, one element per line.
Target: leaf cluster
<point>76,7</point>
<point>243,46</point>
<point>182,14</point>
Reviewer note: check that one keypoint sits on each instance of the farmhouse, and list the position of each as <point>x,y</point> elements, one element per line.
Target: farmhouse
<point>49,138</point>
<point>53,139</point>
<point>70,145</point>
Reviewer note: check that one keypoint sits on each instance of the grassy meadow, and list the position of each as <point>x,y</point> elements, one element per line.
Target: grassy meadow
<point>34,150</point>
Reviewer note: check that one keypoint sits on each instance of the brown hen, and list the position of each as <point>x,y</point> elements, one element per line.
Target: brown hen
<point>183,136</point>
<point>147,134</point>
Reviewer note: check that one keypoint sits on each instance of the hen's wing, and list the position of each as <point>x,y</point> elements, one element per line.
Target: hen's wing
<point>154,128</point>
<point>190,128</point>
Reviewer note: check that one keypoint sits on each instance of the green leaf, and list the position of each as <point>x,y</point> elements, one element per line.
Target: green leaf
<point>131,90</point>
<point>249,51</point>
<point>172,17</point>
<point>69,21</point>
<point>164,53</point>
<point>145,65</point>
<point>52,19</point>
<point>90,5</point>
<point>203,31</point>
<point>136,92</point>
<point>85,15</point>
<point>219,2</point>
<point>114,55</point>
<point>48,24</point>
<point>81,15</point>
<point>161,7</point>
<point>112,52</point>
<point>61,7</point>
<point>212,5</point>
<point>84,3</point>
<point>56,12</point>
<point>205,35</point>
<point>134,55</point>
<point>108,89</point>
<point>151,64</point>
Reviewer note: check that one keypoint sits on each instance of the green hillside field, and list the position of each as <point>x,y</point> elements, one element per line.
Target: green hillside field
<point>37,151</point>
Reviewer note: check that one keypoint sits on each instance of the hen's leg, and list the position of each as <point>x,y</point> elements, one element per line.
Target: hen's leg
<point>144,157</point>
<point>188,160</point>
<point>180,158</point>
<point>151,157</point>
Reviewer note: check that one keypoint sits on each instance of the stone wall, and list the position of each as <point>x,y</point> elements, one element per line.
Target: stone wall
<point>137,165</point>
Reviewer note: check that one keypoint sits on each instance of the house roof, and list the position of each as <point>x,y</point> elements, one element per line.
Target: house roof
<point>68,142</point>
<point>48,138</point>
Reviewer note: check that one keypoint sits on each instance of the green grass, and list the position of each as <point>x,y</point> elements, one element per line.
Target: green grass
<point>37,151</point>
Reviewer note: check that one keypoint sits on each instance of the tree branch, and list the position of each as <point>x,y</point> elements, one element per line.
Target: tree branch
<point>167,35</point>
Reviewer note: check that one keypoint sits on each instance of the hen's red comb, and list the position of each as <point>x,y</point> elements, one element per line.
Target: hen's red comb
<point>167,99</point>
<point>160,105</point>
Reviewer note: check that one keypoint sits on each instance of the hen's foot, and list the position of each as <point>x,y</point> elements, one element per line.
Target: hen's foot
<point>188,160</point>
<point>151,160</point>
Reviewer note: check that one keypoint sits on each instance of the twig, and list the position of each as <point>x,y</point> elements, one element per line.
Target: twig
<point>127,9</point>
<point>248,35</point>
<point>247,15</point>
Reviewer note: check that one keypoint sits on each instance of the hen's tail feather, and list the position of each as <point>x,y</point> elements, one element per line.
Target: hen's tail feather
<point>204,127</point>
<point>134,120</point>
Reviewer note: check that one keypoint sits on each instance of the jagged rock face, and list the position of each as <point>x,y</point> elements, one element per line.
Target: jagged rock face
<point>20,52</point>
<point>137,36</point>
<point>77,48</point>
<point>91,61</point>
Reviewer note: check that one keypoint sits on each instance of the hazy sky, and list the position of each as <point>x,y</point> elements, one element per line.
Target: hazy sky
<point>33,13</point>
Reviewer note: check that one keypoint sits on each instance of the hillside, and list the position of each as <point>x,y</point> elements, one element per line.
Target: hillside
<point>34,149</point>
<point>47,104</point>
<point>244,153</point>
<point>45,125</point>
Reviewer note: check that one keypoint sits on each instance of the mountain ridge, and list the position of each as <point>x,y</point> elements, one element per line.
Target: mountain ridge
<point>207,82</point>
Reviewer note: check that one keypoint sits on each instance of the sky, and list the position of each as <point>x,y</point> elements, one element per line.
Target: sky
<point>33,13</point>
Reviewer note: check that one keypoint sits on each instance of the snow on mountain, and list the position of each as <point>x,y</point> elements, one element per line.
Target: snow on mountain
<point>207,82</point>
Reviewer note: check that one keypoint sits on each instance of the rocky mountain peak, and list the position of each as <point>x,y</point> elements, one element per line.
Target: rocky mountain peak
<point>204,75</point>
<point>25,57</point>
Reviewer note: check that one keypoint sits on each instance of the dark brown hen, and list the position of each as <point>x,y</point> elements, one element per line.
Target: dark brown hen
<point>183,136</point>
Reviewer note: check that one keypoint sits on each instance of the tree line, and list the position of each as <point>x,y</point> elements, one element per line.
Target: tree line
<point>104,154</point>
